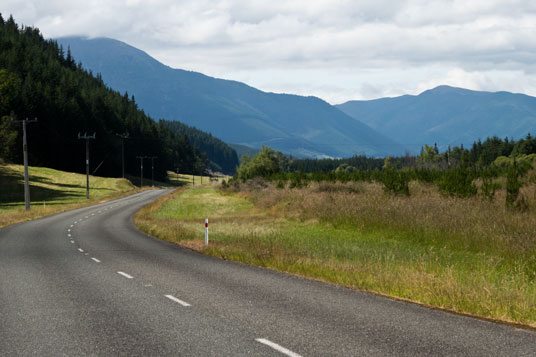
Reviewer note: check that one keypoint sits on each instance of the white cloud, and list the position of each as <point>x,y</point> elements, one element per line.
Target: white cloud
<point>335,49</point>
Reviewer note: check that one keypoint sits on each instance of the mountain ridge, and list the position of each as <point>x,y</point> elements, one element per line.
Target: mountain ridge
<point>447,115</point>
<point>230,110</point>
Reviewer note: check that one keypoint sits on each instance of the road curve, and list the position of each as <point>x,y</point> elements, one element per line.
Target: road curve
<point>87,282</point>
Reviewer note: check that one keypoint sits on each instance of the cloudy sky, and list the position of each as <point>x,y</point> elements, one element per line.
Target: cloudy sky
<point>334,49</point>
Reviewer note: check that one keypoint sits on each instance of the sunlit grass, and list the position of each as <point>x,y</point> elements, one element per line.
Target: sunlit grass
<point>51,191</point>
<point>471,256</point>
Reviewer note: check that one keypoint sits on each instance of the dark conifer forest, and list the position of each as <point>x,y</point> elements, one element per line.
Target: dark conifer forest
<point>39,79</point>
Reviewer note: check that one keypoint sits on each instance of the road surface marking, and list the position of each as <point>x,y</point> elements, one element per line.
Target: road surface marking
<point>81,250</point>
<point>72,225</point>
<point>99,212</point>
<point>173,298</point>
<point>72,241</point>
<point>95,260</point>
<point>93,214</point>
<point>69,235</point>
<point>276,347</point>
<point>68,229</point>
<point>125,275</point>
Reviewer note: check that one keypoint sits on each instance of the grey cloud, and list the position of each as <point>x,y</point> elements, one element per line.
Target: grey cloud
<point>223,36</point>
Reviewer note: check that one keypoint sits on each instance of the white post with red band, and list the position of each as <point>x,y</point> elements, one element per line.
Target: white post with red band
<point>206,231</point>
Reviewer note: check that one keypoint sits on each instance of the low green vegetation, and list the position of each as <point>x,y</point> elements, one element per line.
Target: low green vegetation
<point>469,255</point>
<point>51,191</point>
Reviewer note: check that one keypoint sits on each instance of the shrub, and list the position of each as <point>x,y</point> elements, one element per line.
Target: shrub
<point>489,187</point>
<point>395,182</point>
<point>513,184</point>
<point>457,183</point>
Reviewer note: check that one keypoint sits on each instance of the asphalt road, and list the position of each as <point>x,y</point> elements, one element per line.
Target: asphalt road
<point>87,282</point>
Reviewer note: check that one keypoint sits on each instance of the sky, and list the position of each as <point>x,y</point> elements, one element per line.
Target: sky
<point>337,50</point>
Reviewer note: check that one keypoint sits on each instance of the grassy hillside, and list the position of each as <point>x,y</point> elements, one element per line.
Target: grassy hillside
<point>52,191</point>
<point>467,255</point>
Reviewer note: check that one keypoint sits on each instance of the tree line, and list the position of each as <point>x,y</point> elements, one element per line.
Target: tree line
<point>481,153</point>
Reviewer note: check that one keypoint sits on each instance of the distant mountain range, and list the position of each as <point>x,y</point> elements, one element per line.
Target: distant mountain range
<point>447,115</point>
<point>305,126</point>
<point>229,110</point>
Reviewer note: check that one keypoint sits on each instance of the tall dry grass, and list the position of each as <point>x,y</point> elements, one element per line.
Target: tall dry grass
<point>467,255</point>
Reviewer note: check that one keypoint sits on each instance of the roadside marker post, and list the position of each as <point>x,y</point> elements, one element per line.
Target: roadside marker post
<point>206,231</point>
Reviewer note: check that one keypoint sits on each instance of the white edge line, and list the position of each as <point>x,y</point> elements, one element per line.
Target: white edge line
<point>125,275</point>
<point>178,301</point>
<point>95,260</point>
<point>276,347</point>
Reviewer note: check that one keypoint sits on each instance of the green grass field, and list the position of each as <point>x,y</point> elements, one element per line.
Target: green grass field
<point>51,191</point>
<point>468,256</point>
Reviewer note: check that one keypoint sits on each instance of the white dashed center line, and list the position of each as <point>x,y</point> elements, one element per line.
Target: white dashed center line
<point>68,229</point>
<point>178,301</point>
<point>72,241</point>
<point>125,275</point>
<point>95,260</point>
<point>277,347</point>
<point>68,235</point>
<point>80,250</point>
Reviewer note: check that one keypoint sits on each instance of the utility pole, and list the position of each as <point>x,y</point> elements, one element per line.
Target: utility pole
<point>25,155</point>
<point>141,168</point>
<point>123,137</point>
<point>87,137</point>
<point>152,169</point>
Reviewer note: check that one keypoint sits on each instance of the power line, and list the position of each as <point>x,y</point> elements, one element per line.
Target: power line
<point>25,155</point>
<point>87,138</point>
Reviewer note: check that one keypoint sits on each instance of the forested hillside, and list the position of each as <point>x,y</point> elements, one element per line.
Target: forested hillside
<point>221,157</point>
<point>39,79</point>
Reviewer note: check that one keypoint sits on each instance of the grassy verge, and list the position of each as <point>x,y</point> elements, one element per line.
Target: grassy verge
<point>470,256</point>
<point>52,191</point>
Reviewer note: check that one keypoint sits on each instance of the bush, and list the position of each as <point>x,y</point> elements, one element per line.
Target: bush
<point>457,183</point>
<point>298,180</point>
<point>489,187</point>
<point>513,184</point>
<point>395,182</point>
